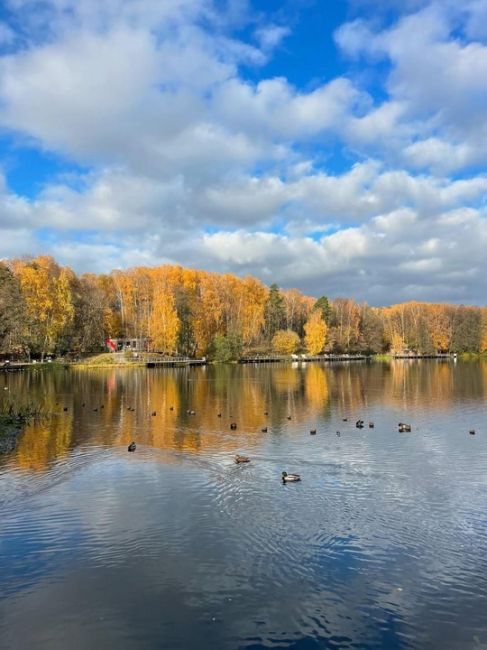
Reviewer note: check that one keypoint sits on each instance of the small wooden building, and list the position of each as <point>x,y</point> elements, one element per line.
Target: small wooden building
<point>127,344</point>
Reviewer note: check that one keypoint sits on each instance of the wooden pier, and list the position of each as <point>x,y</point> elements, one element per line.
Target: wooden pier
<point>14,367</point>
<point>298,358</point>
<point>174,362</point>
<point>445,356</point>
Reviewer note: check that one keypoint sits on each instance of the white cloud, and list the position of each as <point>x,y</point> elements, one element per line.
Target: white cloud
<point>436,83</point>
<point>271,36</point>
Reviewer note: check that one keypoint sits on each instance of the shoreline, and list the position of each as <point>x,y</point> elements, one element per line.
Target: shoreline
<point>383,357</point>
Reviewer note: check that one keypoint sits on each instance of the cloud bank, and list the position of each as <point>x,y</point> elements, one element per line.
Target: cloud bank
<point>368,183</point>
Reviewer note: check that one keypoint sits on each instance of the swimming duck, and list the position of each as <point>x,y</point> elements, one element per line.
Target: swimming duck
<point>264,430</point>
<point>290,478</point>
<point>242,459</point>
<point>404,428</point>
<point>472,432</point>
<point>132,447</point>
<point>171,408</point>
<point>338,434</point>
<point>233,425</point>
<point>345,420</point>
<point>371,425</point>
<point>359,424</point>
<point>288,417</point>
<point>312,432</point>
<point>218,415</point>
<point>154,413</point>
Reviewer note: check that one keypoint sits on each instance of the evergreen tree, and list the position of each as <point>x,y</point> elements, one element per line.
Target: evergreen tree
<point>274,312</point>
<point>324,306</point>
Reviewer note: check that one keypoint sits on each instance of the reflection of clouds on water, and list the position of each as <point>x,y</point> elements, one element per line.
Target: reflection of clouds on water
<point>383,543</point>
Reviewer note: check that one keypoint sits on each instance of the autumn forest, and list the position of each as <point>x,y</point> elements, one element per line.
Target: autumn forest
<point>46,308</point>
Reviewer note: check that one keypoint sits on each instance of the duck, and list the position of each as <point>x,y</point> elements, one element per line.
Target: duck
<point>359,424</point>
<point>233,425</point>
<point>218,415</point>
<point>404,428</point>
<point>344,419</point>
<point>312,432</point>
<point>132,446</point>
<point>264,430</point>
<point>171,408</point>
<point>266,413</point>
<point>472,432</point>
<point>338,434</point>
<point>241,459</point>
<point>371,425</point>
<point>289,417</point>
<point>154,413</point>
<point>65,409</point>
<point>290,478</point>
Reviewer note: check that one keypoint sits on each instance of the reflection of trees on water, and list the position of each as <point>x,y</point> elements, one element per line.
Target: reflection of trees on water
<point>44,440</point>
<point>99,402</point>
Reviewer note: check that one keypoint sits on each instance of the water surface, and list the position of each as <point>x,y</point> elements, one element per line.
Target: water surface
<point>382,545</point>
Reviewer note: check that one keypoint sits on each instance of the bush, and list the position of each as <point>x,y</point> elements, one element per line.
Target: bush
<point>225,348</point>
<point>285,342</point>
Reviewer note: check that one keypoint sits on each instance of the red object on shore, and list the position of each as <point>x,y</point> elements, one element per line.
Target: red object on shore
<point>111,344</point>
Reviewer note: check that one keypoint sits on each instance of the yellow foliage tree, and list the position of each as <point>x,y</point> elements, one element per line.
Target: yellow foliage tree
<point>315,332</point>
<point>164,321</point>
<point>439,325</point>
<point>48,297</point>
<point>253,297</point>
<point>285,342</point>
<point>397,343</point>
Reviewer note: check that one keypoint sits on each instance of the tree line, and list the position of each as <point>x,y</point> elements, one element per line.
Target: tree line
<point>46,308</point>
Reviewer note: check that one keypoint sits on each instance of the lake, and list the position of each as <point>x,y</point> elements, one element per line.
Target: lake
<point>383,543</point>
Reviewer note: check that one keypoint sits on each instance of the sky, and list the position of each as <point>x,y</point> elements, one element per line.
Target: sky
<point>335,146</point>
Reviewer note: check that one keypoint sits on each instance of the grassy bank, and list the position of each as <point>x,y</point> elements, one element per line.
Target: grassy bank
<point>113,360</point>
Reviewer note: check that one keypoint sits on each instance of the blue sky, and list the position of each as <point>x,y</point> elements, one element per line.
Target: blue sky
<point>338,147</point>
